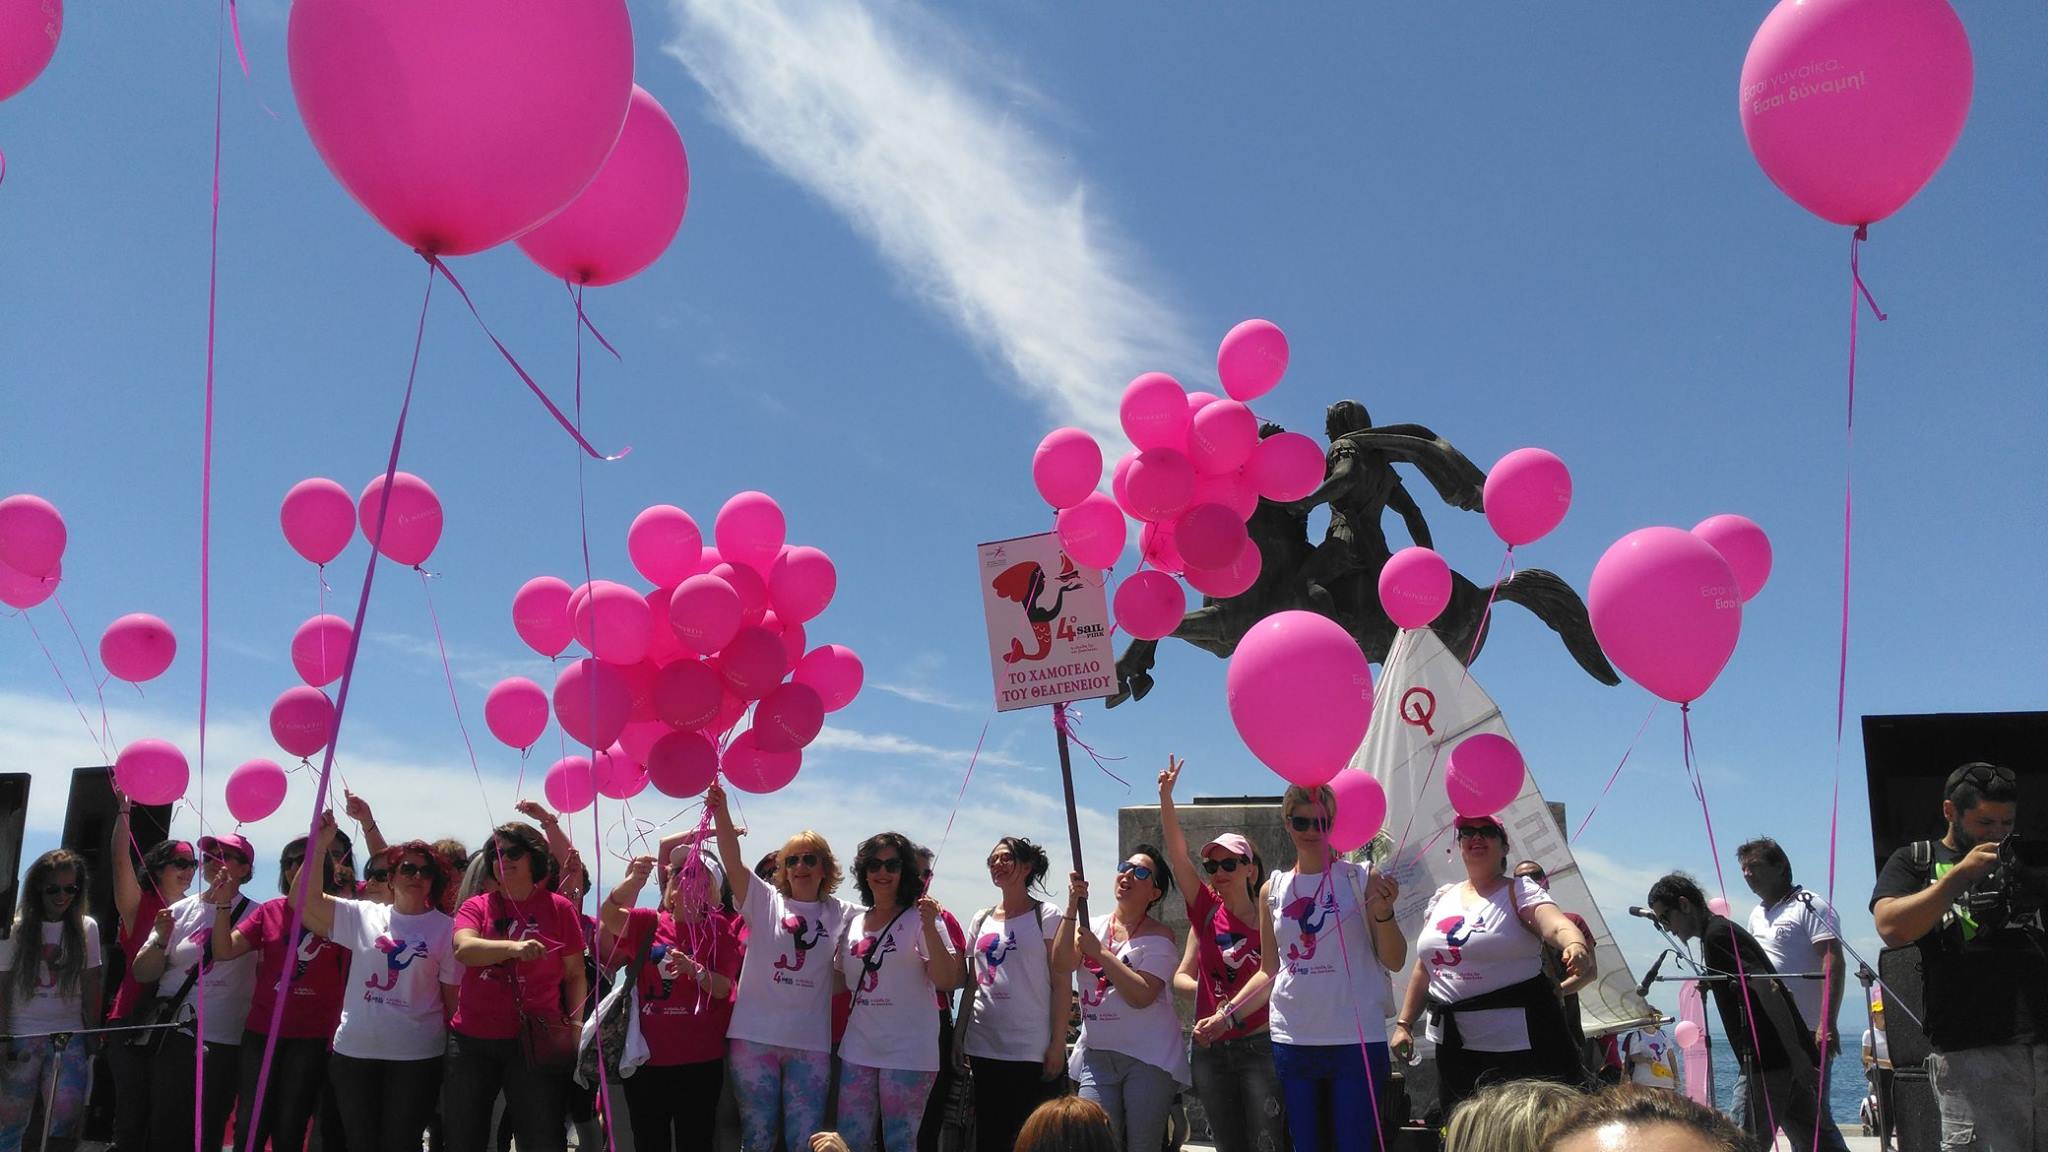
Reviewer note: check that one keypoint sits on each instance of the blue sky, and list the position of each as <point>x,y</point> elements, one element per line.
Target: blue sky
<point>920,237</point>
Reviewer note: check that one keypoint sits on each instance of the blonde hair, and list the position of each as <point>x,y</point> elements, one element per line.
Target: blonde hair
<point>1513,1117</point>
<point>1320,794</point>
<point>811,841</point>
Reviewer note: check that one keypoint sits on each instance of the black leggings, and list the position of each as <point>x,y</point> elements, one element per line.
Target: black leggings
<point>170,1093</point>
<point>384,1104</point>
<point>291,1093</point>
<point>130,1069</point>
<point>672,1105</point>
<point>1005,1094</point>
<point>535,1098</point>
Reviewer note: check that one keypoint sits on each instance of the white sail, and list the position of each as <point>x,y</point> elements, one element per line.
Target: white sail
<point>1424,704</point>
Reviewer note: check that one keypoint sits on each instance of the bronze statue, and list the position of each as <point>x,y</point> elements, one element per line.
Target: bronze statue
<point>1340,577</point>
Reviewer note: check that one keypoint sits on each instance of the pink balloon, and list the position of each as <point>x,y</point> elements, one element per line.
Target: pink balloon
<point>801,583</point>
<point>1744,546</point>
<point>1686,1032</point>
<point>639,737</point>
<point>1159,484</point>
<point>1252,359</point>
<point>138,647</point>
<point>1120,478</point>
<point>709,560</point>
<point>682,764</point>
<point>1850,106</point>
<point>1066,467</point>
<point>664,647</point>
<point>752,589</point>
<point>687,694</point>
<point>639,679</point>
<point>1484,775</point>
<point>795,641</point>
<point>1157,545</point>
<point>834,671</point>
<point>731,708</point>
<point>751,768</point>
<point>1361,810</point>
<point>540,614</point>
<point>1230,489</point>
<point>320,649</point>
<point>1210,535</point>
<point>1300,693</point>
<point>753,663</point>
<point>1234,580</point>
<point>627,215</point>
<point>750,531</point>
<point>1667,611</point>
<point>32,533</point>
<point>1718,905</point>
<point>617,775</point>
<point>1286,466</point>
<point>18,590</point>
<point>1415,586</point>
<point>413,525</point>
<point>151,771</point>
<point>1198,401</point>
<point>1093,531</point>
<point>665,545</point>
<point>459,124</point>
<point>570,785</point>
<point>593,702</point>
<point>516,711</point>
<point>319,519</point>
<point>1222,437</point>
<point>255,790</point>
<point>611,623</point>
<point>1154,412</point>
<point>788,718</point>
<point>705,613</point>
<point>1149,605</point>
<point>1526,495</point>
<point>28,38</point>
<point>302,720</point>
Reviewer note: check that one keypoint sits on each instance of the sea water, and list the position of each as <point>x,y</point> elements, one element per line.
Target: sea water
<point>1846,1088</point>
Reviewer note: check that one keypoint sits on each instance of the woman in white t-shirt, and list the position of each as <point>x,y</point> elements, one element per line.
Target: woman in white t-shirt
<point>1479,968</point>
<point>1130,1058</point>
<point>1013,1032</point>
<point>49,982</point>
<point>779,1052</point>
<point>895,959</point>
<point>402,982</point>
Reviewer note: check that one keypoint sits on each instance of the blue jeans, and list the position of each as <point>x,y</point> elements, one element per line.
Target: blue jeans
<point>1240,1093</point>
<point>1992,1099</point>
<point>1136,1095</point>
<point>1330,1099</point>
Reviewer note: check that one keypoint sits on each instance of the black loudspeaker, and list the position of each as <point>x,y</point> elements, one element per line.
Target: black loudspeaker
<point>88,826</point>
<point>1905,1005</point>
<point>1907,759</point>
<point>1916,1118</point>
<point>13,823</point>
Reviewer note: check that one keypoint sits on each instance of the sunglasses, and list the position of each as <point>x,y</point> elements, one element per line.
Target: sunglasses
<point>1982,775</point>
<point>1482,834</point>
<point>184,862</point>
<point>410,870</point>
<point>377,875</point>
<point>810,860</point>
<point>1309,823</point>
<point>514,851</point>
<point>60,889</point>
<point>1136,871</point>
<point>892,866</point>
<point>228,857</point>
<point>1000,859</point>
<point>1230,865</point>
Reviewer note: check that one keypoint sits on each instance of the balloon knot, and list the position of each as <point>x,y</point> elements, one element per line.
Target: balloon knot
<point>1863,231</point>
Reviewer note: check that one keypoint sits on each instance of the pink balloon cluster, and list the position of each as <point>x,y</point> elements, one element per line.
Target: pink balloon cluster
<point>672,671</point>
<point>32,539</point>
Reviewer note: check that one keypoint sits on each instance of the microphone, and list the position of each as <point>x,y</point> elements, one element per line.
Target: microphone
<point>1643,989</point>
<point>1645,913</point>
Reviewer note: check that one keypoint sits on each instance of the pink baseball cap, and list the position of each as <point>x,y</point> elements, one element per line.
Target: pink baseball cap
<point>1232,843</point>
<point>232,842</point>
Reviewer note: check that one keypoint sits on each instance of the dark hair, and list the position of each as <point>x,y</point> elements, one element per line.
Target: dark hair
<point>1067,1124</point>
<point>1640,1106</point>
<point>1675,887</point>
<point>453,853</point>
<point>159,857</point>
<point>909,889</point>
<point>1036,862</point>
<point>1976,782</point>
<point>29,921</point>
<point>528,837</point>
<point>1767,850</point>
<point>1162,876</point>
<point>293,855</point>
<point>765,866</point>
<point>439,870</point>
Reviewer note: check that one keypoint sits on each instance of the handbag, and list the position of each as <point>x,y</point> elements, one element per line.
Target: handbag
<point>544,1041</point>
<point>160,1014</point>
<point>617,1024</point>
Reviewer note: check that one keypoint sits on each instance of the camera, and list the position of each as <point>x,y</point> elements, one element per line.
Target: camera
<point>2015,891</point>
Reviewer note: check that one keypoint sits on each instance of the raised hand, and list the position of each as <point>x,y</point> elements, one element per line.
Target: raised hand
<point>356,808</point>
<point>1169,777</point>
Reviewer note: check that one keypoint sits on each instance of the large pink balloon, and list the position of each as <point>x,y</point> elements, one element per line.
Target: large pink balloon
<point>1361,810</point>
<point>1484,775</point>
<point>639,737</point>
<point>540,614</point>
<point>320,649</point>
<point>460,124</point>
<point>516,711</point>
<point>801,583</point>
<point>1154,412</point>
<point>682,764</point>
<point>1210,536</point>
<point>151,771</point>
<point>795,640</point>
<point>750,530</point>
<point>1120,478</point>
<point>623,221</point>
<point>1743,545</point>
<point>663,645</point>
<point>1526,495</point>
<point>617,775</point>
<point>32,533</point>
<point>413,525</point>
<point>318,517</point>
<point>19,590</point>
<point>752,768</point>
<point>1851,105</point>
<point>688,694</point>
<point>753,663</point>
<point>1066,467</point>
<point>788,718</point>
<point>665,544</point>
<point>1234,579</point>
<point>705,613</point>
<point>1300,693</point>
<point>255,790</point>
<point>1666,610</point>
<point>611,623</point>
<point>1157,545</point>
<point>834,671</point>
<point>302,720</point>
<point>1686,1032</point>
<point>593,702</point>
<point>1159,484</point>
<point>1221,437</point>
<point>1285,466</point>
<point>1093,531</point>
<point>1415,585</point>
<point>1230,489</point>
<point>28,38</point>
<point>138,647</point>
<point>1149,605</point>
<point>1252,359</point>
<point>752,589</point>
<point>570,784</point>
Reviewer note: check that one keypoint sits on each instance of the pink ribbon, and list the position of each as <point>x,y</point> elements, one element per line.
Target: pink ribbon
<point>1065,719</point>
<point>448,672</point>
<point>66,684</point>
<point>582,318</point>
<point>1616,774</point>
<point>960,796</point>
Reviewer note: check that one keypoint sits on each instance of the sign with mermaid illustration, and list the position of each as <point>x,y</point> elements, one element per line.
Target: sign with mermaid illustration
<point>1048,624</point>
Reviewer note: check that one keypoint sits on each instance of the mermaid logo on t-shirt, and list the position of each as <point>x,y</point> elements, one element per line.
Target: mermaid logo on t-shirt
<point>398,956</point>
<point>657,955</point>
<point>865,948</point>
<point>1310,920</point>
<point>797,926</point>
<point>1093,997</point>
<point>995,947</point>
<point>1456,932</point>
<point>1238,950</point>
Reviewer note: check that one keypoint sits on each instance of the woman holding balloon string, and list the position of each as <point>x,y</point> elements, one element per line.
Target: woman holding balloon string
<point>166,875</point>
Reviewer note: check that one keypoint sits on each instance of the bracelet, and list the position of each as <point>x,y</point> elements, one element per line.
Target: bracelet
<point>1405,1025</point>
<point>1383,919</point>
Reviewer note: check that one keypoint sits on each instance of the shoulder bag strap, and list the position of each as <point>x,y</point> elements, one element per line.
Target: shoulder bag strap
<point>873,960</point>
<point>967,996</point>
<point>641,953</point>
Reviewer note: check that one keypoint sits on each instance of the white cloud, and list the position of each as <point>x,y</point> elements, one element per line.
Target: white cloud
<point>904,747</point>
<point>924,696</point>
<point>920,152</point>
<point>476,667</point>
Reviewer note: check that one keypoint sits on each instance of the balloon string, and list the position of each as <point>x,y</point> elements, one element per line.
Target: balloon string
<point>206,540</point>
<point>1372,1091</point>
<point>583,318</point>
<point>439,266</point>
<point>961,795</point>
<point>1616,774</point>
<point>235,23</point>
<point>1507,563</point>
<point>99,683</point>
<point>1066,720</point>
<point>59,673</point>
<point>427,591</point>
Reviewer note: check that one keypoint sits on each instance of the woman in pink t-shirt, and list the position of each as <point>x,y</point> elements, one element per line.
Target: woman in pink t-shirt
<point>166,875</point>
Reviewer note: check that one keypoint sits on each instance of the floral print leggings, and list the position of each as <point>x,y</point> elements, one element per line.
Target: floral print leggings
<point>781,1093</point>
<point>888,1100</point>
<point>25,1078</point>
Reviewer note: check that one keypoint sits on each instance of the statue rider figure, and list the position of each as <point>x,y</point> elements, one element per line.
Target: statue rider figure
<point>1360,486</point>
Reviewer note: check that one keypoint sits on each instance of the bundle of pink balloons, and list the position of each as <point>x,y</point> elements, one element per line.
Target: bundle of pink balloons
<point>1666,604</point>
<point>32,539</point>
<point>672,670</point>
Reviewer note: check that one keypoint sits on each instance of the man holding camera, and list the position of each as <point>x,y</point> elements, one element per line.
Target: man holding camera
<point>1974,910</point>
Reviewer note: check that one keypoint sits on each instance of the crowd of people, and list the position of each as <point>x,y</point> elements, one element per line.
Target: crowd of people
<point>443,996</point>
